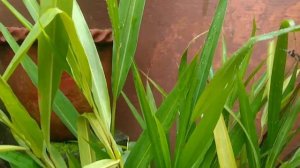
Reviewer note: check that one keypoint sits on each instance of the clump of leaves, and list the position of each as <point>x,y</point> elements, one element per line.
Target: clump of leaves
<point>210,131</point>
<point>65,44</point>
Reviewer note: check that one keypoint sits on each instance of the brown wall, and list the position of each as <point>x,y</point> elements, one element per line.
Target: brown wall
<point>168,26</point>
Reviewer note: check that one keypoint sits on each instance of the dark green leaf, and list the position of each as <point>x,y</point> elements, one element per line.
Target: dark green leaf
<point>277,77</point>
<point>155,130</point>
<point>19,159</point>
<point>249,123</point>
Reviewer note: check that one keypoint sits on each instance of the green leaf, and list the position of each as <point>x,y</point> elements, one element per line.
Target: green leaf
<point>130,15</point>
<point>276,84</point>
<point>255,71</point>
<point>291,81</point>
<point>33,8</point>
<point>144,146</point>
<point>183,62</point>
<point>73,162</point>
<point>98,147</point>
<point>201,74</point>
<point>4,119</point>
<point>21,119</point>
<point>48,83</point>
<point>30,39</point>
<point>56,157</point>
<point>141,155</point>
<point>210,156</point>
<point>17,14</point>
<point>113,12</point>
<point>191,154</point>
<point>104,136</point>
<point>134,111</point>
<point>91,67</point>
<point>248,120</point>
<point>208,109</point>
<point>243,129</point>
<point>155,130</point>
<point>85,45</point>
<point>183,119</point>
<point>52,51</point>
<point>207,53</point>
<point>150,98</point>
<point>19,159</point>
<point>282,138</point>
<point>237,136</point>
<point>126,23</point>
<point>61,106</point>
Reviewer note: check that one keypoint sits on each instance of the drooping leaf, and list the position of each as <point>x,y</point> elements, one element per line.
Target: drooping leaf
<point>21,119</point>
<point>61,105</point>
<point>30,39</point>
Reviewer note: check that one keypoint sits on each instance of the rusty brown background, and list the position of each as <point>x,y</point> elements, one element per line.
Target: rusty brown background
<point>167,28</point>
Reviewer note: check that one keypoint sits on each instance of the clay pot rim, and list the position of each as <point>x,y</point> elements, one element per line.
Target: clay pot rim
<point>100,36</point>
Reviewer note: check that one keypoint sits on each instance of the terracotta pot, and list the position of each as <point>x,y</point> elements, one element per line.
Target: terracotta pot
<point>27,92</point>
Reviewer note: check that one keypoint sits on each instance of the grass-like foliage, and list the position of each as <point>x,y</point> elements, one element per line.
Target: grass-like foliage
<point>215,113</point>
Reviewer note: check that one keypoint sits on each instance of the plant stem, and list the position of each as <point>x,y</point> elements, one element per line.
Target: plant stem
<point>113,116</point>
